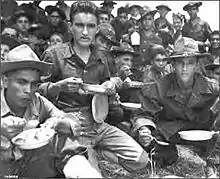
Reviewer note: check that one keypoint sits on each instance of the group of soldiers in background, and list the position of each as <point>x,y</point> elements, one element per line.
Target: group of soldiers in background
<point>133,46</point>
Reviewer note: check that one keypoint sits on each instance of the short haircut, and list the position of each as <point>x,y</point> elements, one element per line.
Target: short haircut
<point>103,11</point>
<point>157,49</point>
<point>122,10</point>
<point>216,32</point>
<point>83,6</point>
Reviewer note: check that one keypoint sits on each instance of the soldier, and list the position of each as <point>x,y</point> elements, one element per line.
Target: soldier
<point>182,100</point>
<point>196,28</point>
<point>23,108</point>
<point>159,67</point>
<point>76,63</point>
<point>148,35</point>
<point>104,16</point>
<point>163,26</point>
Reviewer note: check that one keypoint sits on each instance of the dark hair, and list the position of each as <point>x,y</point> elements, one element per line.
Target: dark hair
<point>216,32</point>
<point>103,11</point>
<point>83,6</point>
<point>122,10</point>
<point>157,49</point>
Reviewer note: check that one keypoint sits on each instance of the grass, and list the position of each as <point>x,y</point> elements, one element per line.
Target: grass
<point>189,165</point>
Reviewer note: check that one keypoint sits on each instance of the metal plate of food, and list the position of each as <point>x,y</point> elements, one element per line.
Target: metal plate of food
<point>196,135</point>
<point>33,138</point>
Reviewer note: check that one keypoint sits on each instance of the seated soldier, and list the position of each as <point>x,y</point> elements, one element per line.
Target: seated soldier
<point>159,67</point>
<point>22,108</point>
<point>180,101</point>
<point>214,70</point>
<point>75,63</point>
<point>124,57</point>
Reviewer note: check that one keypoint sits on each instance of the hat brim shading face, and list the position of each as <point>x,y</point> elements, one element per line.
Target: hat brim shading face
<point>163,6</point>
<point>212,66</point>
<point>50,9</point>
<point>190,5</point>
<point>43,67</point>
<point>108,3</point>
<point>19,14</point>
<point>179,56</point>
<point>150,13</point>
<point>135,6</point>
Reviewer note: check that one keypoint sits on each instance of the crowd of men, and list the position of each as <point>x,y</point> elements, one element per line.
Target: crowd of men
<point>171,68</point>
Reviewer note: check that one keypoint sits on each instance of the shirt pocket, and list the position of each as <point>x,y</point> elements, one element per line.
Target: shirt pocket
<point>71,69</point>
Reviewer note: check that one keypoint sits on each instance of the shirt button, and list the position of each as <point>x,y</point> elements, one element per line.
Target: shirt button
<point>144,50</point>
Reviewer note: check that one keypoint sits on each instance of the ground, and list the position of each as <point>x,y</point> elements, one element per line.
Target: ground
<point>189,165</point>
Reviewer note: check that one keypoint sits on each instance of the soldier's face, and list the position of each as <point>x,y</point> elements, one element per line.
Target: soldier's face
<point>192,11</point>
<point>55,39</point>
<point>163,12</point>
<point>84,27</point>
<point>55,18</point>
<point>177,24</point>
<point>123,17</point>
<point>148,22</point>
<point>10,32</point>
<point>21,85</point>
<point>185,68</point>
<point>215,41</point>
<point>23,23</point>
<point>103,18</point>
<point>159,61</point>
<point>124,60</point>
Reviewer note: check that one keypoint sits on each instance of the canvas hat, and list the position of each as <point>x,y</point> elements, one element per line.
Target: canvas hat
<point>213,65</point>
<point>148,11</point>
<point>20,13</point>
<point>108,32</point>
<point>163,6</point>
<point>23,57</point>
<point>100,107</point>
<point>192,4</point>
<point>107,2</point>
<point>186,47</point>
<point>9,41</point>
<point>50,9</point>
<point>135,6</point>
<point>123,49</point>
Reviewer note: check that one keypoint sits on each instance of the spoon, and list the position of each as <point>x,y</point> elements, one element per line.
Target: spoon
<point>155,139</point>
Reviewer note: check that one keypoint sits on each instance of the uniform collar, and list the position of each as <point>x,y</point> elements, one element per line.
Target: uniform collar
<point>201,86</point>
<point>94,53</point>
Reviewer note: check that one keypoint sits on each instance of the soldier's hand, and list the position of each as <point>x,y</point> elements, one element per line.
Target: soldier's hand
<point>70,84</point>
<point>144,136</point>
<point>12,126</point>
<point>110,87</point>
